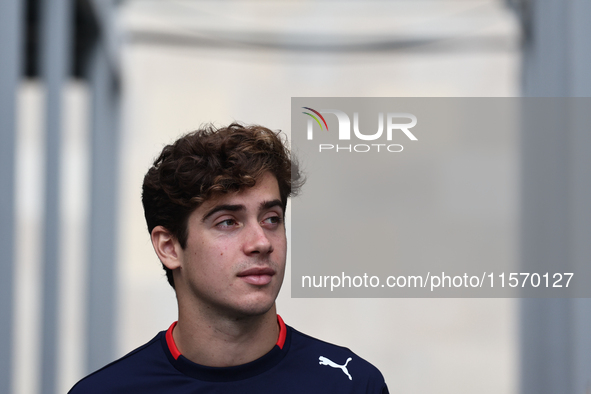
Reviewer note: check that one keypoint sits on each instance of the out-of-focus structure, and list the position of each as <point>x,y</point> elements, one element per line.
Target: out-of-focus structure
<point>73,71</point>
<point>555,190</point>
<point>55,42</point>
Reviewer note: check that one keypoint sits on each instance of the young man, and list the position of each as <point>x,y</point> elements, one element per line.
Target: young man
<point>215,205</point>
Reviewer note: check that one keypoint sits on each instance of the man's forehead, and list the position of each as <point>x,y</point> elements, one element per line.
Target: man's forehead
<point>265,190</point>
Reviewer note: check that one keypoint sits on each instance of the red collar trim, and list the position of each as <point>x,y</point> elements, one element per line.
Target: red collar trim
<point>170,342</point>
<point>282,332</point>
<point>175,351</point>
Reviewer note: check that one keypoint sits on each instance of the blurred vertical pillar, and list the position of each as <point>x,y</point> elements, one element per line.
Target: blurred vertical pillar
<point>104,86</point>
<point>580,200</point>
<point>11,56</point>
<point>546,324</point>
<point>556,190</point>
<point>56,23</point>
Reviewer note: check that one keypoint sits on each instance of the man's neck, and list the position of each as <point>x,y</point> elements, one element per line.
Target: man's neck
<point>221,341</point>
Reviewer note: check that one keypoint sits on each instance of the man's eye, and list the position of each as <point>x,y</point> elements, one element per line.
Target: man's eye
<point>227,223</point>
<point>273,220</point>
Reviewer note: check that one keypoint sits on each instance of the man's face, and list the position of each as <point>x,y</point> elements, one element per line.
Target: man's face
<point>234,259</point>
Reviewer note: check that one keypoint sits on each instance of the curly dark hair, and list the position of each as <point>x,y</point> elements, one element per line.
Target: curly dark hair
<point>209,162</point>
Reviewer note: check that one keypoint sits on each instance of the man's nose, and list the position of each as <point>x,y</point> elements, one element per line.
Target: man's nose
<point>257,240</point>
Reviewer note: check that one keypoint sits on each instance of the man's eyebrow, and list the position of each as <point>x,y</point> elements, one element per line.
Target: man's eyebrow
<point>271,204</point>
<point>223,207</point>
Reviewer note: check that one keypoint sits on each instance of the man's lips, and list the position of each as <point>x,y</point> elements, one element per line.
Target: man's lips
<point>259,276</point>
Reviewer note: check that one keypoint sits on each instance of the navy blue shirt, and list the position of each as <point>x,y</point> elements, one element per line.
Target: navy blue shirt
<point>297,364</point>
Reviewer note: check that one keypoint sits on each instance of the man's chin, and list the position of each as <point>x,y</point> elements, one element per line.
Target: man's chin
<point>254,310</point>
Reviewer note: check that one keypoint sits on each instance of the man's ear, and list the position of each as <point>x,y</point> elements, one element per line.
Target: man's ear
<point>167,247</point>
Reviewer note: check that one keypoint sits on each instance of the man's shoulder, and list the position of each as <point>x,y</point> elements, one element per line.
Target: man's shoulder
<point>130,369</point>
<point>332,361</point>
<point>309,345</point>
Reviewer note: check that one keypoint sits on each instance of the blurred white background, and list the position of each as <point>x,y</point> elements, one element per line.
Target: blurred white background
<point>188,63</point>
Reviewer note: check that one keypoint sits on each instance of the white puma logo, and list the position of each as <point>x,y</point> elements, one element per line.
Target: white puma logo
<point>325,361</point>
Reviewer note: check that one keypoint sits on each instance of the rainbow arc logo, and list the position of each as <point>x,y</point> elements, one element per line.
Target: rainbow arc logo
<point>315,118</point>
